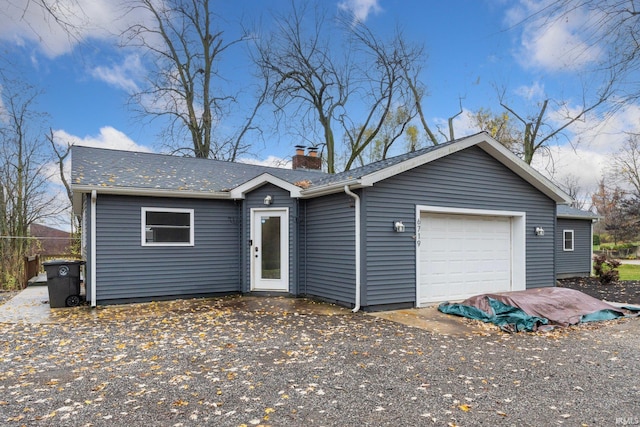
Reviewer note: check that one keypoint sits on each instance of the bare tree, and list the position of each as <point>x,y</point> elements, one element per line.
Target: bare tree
<point>383,74</point>
<point>24,195</point>
<point>66,14</point>
<point>611,32</point>
<point>305,73</point>
<point>395,124</point>
<point>499,126</point>
<point>185,86</point>
<point>411,73</point>
<point>608,202</point>
<point>537,130</point>
<point>626,163</point>
<point>570,184</point>
<point>318,84</point>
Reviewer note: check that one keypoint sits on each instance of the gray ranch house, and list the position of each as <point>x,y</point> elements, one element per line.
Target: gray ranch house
<point>574,249</point>
<point>442,223</point>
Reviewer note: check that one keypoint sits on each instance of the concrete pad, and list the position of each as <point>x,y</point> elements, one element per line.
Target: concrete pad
<point>32,306</point>
<point>432,320</point>
<point>29,306</point>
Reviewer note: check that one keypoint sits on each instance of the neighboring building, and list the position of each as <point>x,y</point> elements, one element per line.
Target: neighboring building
<point>51,240</point>
<point>574,248</point>
<point>442,223</point>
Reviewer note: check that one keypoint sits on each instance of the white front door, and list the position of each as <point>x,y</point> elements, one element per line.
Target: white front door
<point>270,249</point>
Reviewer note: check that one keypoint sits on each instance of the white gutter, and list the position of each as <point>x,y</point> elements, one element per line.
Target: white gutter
<point>135,191</point>
<point>326,189</point>
<point>94,196</point>
<point>357,200</point>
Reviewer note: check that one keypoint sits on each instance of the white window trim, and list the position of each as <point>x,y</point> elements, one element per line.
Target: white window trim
<point>143,224</point>
<point>564,240</point>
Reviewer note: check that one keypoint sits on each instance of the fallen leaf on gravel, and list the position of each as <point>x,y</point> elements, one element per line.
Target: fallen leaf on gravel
<point>464,407</point>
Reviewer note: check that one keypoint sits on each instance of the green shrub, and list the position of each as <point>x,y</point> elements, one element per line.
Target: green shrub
<point>596,239</point>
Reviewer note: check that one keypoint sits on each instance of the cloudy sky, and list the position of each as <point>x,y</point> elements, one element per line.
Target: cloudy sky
<point>475,49</point>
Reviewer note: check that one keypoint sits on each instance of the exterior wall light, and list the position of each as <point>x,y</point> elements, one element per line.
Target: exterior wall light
<point>539,231</point>
<point>268,200</point>
<point>398,227</point>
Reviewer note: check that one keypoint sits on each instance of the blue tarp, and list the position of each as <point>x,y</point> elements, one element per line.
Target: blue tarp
<point>533,309</point>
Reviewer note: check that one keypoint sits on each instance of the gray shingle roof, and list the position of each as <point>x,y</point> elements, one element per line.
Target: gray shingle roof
<point>565,211</point>
<point>125,169</point>
<point>376,166</point>
<point>134,172</point>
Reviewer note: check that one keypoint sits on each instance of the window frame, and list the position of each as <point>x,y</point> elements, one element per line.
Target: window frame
<point>143,224</point>
<point>564,240</point>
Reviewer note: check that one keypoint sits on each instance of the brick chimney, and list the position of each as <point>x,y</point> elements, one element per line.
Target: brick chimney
<point>308,161</point>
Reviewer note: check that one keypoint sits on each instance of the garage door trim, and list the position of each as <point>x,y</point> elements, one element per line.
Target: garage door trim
<point>518,242</point>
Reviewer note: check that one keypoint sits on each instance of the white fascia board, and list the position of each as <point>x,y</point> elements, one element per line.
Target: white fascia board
<point>524,171</point>
<point>240,191</point>
<point>584,218</point>
<point>435,154</point>
<point>150,192</point>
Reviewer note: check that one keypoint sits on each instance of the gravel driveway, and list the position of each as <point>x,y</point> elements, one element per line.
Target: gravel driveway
<point>214,362</point>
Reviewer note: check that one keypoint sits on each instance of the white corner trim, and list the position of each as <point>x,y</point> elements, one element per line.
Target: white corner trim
<point>240,191</point>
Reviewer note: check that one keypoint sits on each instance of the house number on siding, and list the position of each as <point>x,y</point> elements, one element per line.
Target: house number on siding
<point>418,232</point>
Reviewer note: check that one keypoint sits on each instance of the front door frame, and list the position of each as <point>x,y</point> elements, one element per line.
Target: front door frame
<point>257,282</point>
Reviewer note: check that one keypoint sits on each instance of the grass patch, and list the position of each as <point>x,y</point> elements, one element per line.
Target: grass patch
<point>629,272</point>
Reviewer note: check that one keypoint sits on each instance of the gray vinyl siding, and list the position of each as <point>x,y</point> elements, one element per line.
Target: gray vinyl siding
<point>467,179</point>
<point>577,262</point>
<point>126,269</point>
<point>329,248</point>
<point>281,199</point>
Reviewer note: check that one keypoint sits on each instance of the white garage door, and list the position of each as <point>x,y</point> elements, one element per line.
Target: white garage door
<point>463,255</point>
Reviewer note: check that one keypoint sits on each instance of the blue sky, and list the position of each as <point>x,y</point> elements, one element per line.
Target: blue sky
<point>473,46</point>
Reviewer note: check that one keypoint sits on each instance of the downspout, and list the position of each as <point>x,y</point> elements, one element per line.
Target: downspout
<point>357,201</point>
<point>591,272</point>
<point>94,196</point>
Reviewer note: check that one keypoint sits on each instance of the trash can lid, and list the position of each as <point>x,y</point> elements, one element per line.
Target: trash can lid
<point>63,261</point>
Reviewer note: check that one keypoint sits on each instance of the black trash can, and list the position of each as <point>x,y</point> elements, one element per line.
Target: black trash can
<point>63,282</point>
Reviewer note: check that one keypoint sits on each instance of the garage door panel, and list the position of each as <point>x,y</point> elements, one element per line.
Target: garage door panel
<point>464,255</point>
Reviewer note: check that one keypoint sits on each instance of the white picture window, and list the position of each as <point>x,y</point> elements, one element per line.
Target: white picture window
<point>567,238</point>
<point>167,227</point>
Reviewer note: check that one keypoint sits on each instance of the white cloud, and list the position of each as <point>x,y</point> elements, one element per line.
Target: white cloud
<point>360,9</point>
<point>25,21</point>
<point>107,138</point>
<point>557,43</point>
<point>271,161</point>
<point>121,76</point>
<point>535,91</point>
<point>588,154</point>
